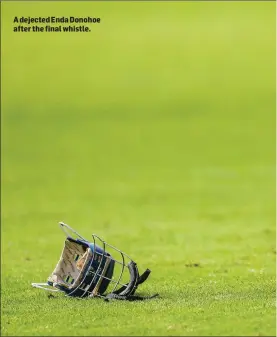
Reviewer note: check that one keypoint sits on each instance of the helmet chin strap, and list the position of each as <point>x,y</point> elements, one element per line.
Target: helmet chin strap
<point>127,291</point>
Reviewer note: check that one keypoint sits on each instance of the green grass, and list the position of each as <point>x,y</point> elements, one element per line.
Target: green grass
<point>157,132</point>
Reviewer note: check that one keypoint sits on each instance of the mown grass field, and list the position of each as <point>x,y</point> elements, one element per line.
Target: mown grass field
<point>156,131</point>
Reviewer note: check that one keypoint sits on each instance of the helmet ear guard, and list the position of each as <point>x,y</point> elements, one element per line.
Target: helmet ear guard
<point>87,269</point>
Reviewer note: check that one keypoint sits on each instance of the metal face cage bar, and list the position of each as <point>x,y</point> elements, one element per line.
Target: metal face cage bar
<point>93,293</point>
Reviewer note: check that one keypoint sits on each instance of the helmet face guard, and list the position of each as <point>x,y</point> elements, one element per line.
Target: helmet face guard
<point>94,269</point>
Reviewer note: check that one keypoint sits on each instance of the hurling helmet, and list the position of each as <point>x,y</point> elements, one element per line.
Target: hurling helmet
<point>94,269</point>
